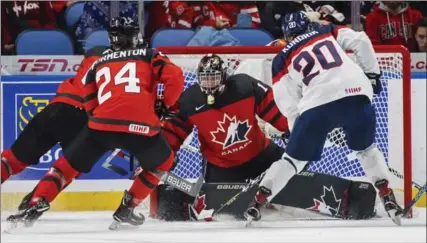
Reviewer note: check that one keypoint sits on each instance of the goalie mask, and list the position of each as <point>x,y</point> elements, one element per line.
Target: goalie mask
<point>212,74</point>
<point>123,33</point>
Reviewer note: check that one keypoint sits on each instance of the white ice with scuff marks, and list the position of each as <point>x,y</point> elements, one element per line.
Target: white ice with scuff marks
<point>91,227</point>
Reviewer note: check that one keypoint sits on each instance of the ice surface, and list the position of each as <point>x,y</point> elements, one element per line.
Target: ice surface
<point>90,227</point>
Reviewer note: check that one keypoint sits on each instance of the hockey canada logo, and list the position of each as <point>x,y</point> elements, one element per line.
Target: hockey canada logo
<point>328,203</point>
<point>230,131</point>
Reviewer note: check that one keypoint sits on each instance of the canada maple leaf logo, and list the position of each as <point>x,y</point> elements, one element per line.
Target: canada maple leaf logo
<point>230,131</point>
<point>329,204</point>
<point>199,204</point>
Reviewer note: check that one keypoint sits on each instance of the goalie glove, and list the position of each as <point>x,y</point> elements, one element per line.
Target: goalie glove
<point>375,79</point>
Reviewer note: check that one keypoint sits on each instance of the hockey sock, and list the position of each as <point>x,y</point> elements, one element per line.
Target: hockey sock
<point>60,174</point>
<point>10,165</point>
<point>145,182</point>
<point>279,174</point>
<point>374,164</point>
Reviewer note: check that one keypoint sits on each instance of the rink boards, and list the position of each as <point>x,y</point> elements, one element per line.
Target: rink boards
<point>25,95</point>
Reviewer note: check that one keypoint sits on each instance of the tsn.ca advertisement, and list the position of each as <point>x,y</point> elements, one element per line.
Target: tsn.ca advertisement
<point>21,100</point>
<point>68,65</point>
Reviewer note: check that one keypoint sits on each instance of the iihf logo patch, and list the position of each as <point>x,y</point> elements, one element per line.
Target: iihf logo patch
<point>230,131</point>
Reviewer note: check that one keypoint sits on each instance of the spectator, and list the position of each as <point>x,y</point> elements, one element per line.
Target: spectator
<point>420,43</point>
<point>224,14</point>
<point>59,7</point>
<point>330,14</point>
<point>271,14</point>
<point>169,14</point>
<point>17,16</point>
<point>391,23</point>
<point>96,15</point>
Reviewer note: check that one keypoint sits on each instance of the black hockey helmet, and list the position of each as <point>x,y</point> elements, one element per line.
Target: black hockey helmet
<point>212,73</point>
<point>123,33</point>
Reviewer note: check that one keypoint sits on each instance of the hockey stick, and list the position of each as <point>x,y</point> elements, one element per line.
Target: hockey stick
<point>107,164</point>
<point>400,176</point>
<point>176,182</point>
<point>251,184</point>
<point>417,197</point>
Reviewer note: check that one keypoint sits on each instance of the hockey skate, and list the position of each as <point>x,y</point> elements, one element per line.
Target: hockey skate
<point>26,201</point>
<point>388,199</point>
<point>253,213</point>
<point>28,213</point>
<point>125,214</point>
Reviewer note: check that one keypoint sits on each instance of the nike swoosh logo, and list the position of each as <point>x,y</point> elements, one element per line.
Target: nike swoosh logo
<point>200,107</point>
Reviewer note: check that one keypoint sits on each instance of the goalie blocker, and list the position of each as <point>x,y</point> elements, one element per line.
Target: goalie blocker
<point>320,193</point>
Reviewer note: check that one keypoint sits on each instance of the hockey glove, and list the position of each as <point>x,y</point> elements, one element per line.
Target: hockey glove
<point>162,111</point>
<point>375,81</point>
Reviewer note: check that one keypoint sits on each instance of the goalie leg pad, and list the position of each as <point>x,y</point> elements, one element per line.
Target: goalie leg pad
<point>329,195</point>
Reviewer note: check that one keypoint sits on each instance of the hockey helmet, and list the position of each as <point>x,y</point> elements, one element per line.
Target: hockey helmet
<point>212,73</point>
<point>294,24</point>
<point>123,33</point>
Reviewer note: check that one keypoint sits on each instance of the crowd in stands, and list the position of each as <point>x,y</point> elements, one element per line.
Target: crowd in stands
<point>385,22</point>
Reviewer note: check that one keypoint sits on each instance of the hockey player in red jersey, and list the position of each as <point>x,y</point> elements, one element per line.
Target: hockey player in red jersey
<point>58,122</point>
<point>120,90</point>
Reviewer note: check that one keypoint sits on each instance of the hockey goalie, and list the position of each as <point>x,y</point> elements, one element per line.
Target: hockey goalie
<point>224,109</point>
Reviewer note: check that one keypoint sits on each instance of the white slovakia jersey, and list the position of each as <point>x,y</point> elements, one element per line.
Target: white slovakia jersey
<point>314,69</point>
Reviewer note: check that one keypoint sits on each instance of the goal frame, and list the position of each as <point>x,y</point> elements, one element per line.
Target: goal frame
<point>406,90</point>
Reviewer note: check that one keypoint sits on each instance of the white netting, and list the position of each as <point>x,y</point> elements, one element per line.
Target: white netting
<point>337,159</point>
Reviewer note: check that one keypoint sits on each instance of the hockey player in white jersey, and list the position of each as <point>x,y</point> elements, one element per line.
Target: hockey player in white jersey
<point>319,88</point>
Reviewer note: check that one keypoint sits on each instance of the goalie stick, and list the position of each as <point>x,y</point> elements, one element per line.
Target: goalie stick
<point>251,184</point>
<point>406,211</point>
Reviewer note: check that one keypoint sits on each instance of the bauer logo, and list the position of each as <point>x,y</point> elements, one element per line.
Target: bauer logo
<point>231,131</point>
<point>179,184</point>
<point>230,187</point>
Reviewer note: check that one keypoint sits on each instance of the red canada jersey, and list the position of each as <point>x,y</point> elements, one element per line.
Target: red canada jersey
<point>383,27</point>
<point>123,89</point>
<point>166,14</point>
<point>205,14</point>
<point>71,90</point>
<point>228,130</point>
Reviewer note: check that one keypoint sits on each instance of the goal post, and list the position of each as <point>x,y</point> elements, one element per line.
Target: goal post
<point>393,109</point>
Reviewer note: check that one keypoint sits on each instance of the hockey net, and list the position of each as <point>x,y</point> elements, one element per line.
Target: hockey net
<point>393,132</point>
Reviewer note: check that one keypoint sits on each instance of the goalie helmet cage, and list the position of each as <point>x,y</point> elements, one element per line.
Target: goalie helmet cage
<point>256,61</point>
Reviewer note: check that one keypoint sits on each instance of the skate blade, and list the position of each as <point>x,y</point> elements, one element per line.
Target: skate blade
<point>114,226</point>
<point>248,222</point>
<point>396,218</point>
